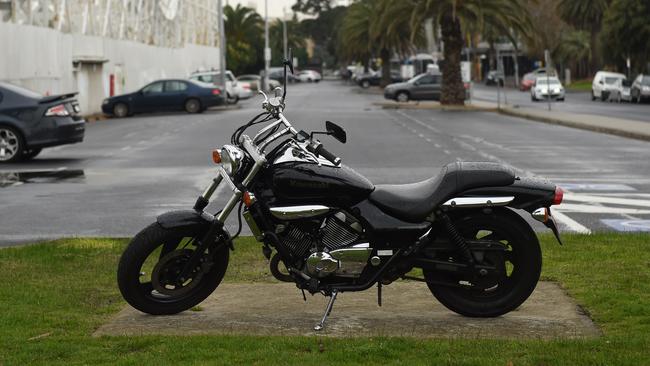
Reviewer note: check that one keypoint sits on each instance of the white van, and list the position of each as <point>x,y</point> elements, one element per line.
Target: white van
<point>604,81</point>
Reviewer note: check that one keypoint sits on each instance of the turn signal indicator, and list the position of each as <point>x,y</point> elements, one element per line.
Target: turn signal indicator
<point>216,156</point>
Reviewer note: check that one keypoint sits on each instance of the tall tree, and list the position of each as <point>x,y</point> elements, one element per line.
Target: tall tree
<point>312,7</point>
<point>454,15</point>
<point>295,41</point>
<point>574,50</point>
<point>356,41</point>
<point>393,33</point>
<point>627,34</point>
<point>244,29</point>
<point>586,15</point>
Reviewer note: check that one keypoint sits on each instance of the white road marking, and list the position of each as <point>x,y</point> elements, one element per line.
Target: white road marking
<point>573,207</point>
<point>570,223</point>
<point>601,199</point>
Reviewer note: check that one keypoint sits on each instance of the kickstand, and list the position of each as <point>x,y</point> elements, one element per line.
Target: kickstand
<point>379,294</point>
<point>303,294</point>
<point>328,310</point>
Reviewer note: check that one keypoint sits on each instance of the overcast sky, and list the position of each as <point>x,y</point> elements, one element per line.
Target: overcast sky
<point>275,6</point>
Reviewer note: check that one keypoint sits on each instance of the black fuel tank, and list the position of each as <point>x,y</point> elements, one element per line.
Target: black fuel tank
<point>308,183</point>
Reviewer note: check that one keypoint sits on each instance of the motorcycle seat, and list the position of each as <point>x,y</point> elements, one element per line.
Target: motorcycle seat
<point>415,201</point>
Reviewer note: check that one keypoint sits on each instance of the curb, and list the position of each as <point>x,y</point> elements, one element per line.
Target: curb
<point>573,124</point>
<point>97,117</point>
<point>394,105</point>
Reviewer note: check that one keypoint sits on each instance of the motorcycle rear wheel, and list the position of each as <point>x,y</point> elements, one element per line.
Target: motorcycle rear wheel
<point>522,264</point>
<point>169,249</point>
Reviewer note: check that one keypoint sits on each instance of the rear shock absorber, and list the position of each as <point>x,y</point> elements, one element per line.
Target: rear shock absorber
<point>457,239</point>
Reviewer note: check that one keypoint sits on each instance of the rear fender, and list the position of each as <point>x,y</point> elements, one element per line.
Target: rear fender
<point>530,194</point>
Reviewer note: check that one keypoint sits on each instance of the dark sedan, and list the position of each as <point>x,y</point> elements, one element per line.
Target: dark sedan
<point>165,95</point>
<point>421,87</point>
<point>368,79</point>
<point>30,122</point>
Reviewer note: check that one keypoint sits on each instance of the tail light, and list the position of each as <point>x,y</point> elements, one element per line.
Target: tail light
<point>559,194</point>
<point>216,92</point>
<point>246,86</point>
<point>58,111</point>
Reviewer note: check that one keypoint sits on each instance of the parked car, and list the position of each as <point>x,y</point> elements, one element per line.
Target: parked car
<point>214,78</point>
<point>309,76</point>
<point>547,87</point>
<point>529,78</point>
<point>30,122</point>
<point>254,81</point>
<point>640,89</point>
<point>374,78</point>
<point>603,83</point>
<point>425,86</point>
<point>277,74</point>
<point>493,77</point>
<point>620,92</point>
<point>165,95</point>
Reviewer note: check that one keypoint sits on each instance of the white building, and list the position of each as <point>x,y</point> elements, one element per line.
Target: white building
<point>104,47</point>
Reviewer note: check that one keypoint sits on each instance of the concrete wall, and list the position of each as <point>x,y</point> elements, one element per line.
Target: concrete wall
<point>41,59</point>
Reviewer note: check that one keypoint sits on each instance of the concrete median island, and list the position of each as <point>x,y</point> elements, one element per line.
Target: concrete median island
<point>408,310</point>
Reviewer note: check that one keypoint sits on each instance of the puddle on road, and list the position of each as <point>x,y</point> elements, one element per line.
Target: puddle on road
<point>8,179</point>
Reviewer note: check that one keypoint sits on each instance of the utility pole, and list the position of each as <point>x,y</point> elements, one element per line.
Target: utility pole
<point>222,49</point>
<point>547,60</point>
<point>284,32</point>
<point>267,50</point>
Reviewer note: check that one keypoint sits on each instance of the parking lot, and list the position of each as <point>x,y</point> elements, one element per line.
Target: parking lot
<point>575,102</point>
<point>127,171</point>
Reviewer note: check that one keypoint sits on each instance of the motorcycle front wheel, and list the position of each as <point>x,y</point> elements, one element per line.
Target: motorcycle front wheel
<point>148,272</point>
<point>520,264</point>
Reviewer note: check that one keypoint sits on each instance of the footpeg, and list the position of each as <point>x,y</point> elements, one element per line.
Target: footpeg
<point>328,310</point>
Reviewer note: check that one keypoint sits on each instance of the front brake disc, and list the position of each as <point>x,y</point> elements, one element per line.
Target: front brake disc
<point>165,276</point>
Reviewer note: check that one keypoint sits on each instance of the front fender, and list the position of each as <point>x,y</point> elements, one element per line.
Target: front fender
<point>183,218</point>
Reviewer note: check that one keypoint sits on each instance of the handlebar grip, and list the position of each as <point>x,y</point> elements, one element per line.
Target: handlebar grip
<point>320,150</point>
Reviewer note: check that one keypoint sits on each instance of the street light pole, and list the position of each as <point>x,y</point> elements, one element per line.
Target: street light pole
<point>267,51</point>
<point>222,50</point>
<point>284,32</point>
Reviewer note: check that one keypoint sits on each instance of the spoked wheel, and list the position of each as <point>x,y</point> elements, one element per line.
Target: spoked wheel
<point>500,239</point>
<point>149,273</point>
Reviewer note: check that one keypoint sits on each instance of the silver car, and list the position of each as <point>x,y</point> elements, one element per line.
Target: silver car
<point>640,89</point>
<point>620,91</point>
<point>547,87</point>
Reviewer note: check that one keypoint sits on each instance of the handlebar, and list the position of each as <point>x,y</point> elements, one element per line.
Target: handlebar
<point>317,148</point>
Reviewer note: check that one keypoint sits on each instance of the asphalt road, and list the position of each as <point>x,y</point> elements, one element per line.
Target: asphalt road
<point>575,102</point>
<point>128,171</point>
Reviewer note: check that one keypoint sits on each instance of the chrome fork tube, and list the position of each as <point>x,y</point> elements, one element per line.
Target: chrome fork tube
<point>227,209</point>
<point>213,187</point>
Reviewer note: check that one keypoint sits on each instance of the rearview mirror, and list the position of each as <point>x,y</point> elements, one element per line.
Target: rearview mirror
<point>336,131</point>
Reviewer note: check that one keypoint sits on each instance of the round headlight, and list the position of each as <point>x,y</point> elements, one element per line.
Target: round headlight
<point>231,158</point>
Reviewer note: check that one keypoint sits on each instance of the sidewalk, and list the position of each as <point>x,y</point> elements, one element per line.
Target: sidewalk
<point>615,126</point>
<point>610,125</point>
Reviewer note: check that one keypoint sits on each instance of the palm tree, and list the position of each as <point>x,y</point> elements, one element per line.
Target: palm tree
<point>454,15</point>
<point>575,50</point>
<point>393,33</point>
<point>356,42</point>
<point>295,40</point>
<point>586,15</point>
<point>244,29</point>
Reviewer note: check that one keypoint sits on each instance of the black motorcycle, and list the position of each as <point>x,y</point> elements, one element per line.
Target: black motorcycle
<point>329,230</point>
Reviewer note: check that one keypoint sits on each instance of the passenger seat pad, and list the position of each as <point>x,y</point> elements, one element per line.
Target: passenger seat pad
<point>413,202</point>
